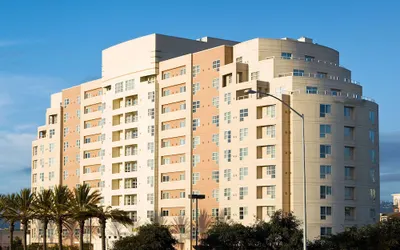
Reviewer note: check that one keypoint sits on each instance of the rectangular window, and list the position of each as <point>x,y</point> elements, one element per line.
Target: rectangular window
<point>349,173</point>
<point>311,90</point>
<point>196,87</point>
<point>271,151</point>
<point>166,75</point>
<point>349,213</point>
<point>300,72</point>
<point>326,231</point>
<point>243,191</point>
<point>151,96</point>
<point>372,155</point>
<point>215,102</point>
<point>348,133</point>
<point>196,70</point>
<point>66,102</point>
<point>324,109</point>
<point>286,55</point>
<point>243,113</point>
<point>325,211</point>
<point>372,175</point>
<point>270,210</point>
<point>215,120</point>
<point>271,192</point>
<point>130,84</point>
<point>195,106</point>
<point>195,178</point>
<point>243,172</point>
<point>196,141</point>
<point>227,136</point>
<point>349,193</point>
<point>130,200</point>
<point>325,191</point>
<point>239,59</point>
<point>227,98</point>
<point>215,139</point>
<point>216,64</point>
<point>324,129</point>
<point>243,132</point>
<point>228,174</point>
<point>270,111</point>
<point>196,123</point>
<point>270,129</point>
<point>227,193</point>
<point>243,152</point>
<point>270,171</point>
<point>227,155</point>
<point>214,212</point>
<point>372,136</point>
<point>65,174</point>
<point>324,170</point>
<point>309,58</point>
<point>215,83</point>
<point>215,157</point>
<point>215,176</point>
<point>227,117</point>
<point>227,213</point>
<point>254,75</point>
<point>372,117</point>
<point>119,87</point>
<point>348,153</point>
<point>215,194</point>
<point>325,151</point>
<point>348,112</point>
<point>150,113</point>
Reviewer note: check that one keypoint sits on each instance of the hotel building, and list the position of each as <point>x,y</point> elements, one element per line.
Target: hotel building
<point>173,116</point>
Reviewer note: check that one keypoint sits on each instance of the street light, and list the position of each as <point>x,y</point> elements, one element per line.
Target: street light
<point>250,91</point>
<point>197,197</point>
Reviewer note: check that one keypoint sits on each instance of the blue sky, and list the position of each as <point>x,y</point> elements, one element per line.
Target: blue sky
<point>46,46</point>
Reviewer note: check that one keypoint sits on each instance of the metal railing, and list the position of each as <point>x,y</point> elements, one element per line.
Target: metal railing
<point>319,76</point>
<point>332,93</point>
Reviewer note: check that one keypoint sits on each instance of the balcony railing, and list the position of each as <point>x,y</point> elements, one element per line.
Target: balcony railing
<point>332,93</point>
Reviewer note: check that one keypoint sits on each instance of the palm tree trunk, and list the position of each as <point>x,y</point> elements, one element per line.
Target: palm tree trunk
<point>103,234</point>
<point>60,224</point>
<point>11,235</point>
<point>81,231</point>
<point>25,225</point>
<point>45,222</point>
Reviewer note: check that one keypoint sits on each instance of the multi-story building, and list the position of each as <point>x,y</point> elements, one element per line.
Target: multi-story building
<point>173,116</point>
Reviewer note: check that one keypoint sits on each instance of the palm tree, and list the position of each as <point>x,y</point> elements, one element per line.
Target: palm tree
<point>180,226</point>
<point>83,206</point>
<point>116,215</point>
<point>60,209</point>
<point>25,199</point>
<point>9,205</point>
<point>42,208</point>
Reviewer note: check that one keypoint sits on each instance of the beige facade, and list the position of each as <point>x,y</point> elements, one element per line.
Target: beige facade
<point>172,116</point>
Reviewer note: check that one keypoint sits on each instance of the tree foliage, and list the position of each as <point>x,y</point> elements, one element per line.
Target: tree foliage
<point>149,237</point>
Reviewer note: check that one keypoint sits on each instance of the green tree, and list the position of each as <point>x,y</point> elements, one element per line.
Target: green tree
<point>116,215</point>
<point>149,237</point>
<point>42,209</point>
<point>60,209</point>
<point>24,210</point>
<point>9,205</point>
<point>83,206</point>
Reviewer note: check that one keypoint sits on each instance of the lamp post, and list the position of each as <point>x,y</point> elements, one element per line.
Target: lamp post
<point>197,197</point>
<point>250,91</point>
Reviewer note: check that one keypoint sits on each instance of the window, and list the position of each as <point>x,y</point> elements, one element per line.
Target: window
<point>130,167</point>
<point>214,212</point>
<point>166,75</point>
<point>215,157</point>
<point>324,170</point>
<point>65,132</point>
<point>51,147</point>
<point>227,212</point>
<point>41,176</point>
<point>243,113</point>
<point>215,83</point>
<point>65,174</point>
<point>196,87</point>
<point>196,123</point>
<point>271,151</point>
<point>243,152</point>
<point>215,194</point>
<point>151,96</point>
<point>228,174</point>
<point>150,215</point>
<point>227,155</point>
<point>271,192</point>
<point>215,175</point>
<point>216,64</point>
<point>165,178</point>
<point>324,109</point>
<point>66,102</point>
<point>243,191</point>
<point>52,161</point>
<point>150,147</point>
<point>243,172</point>
<point>311,90</point>
<point>348,132</point>
<point>349,173</point>
<point>215,139</point>
<point>65,117</point>
<point>195,106</point>
<point>165,196</point>
<point>270,210</point>
<point>52,132</point>
<point>325,191</point>
<point>65,160</point>
<point>270,111</point>
<point>150,130</point>
<point>34,176</point>
<point>286,55</point>
<point>349,213</point>
<point>372,175</point>
<point>215,102</point>
<point>182,177</point>
<point>150,198</point>
<point>325,211</point>
<point>227,136</point>
<point>372,136</point>
<point>348,153</point>
<point>243,132</point>
<point>239,59</point>
<point>372,213</point>
<point>324,129</point>
<point>227,117</point>
<point>215,120</point>
<point>119,87</point>
<point>270,171</point>
<point>270,131</point>
<point>150,181</point>
<point>372,193</point>
<point>300,72</point>
<point>348,112</point>
<point>325,151</point>
<point>150,113</point>
<point>372,155</point>
<point>196,70</point>
<point>130,84</point>
<point>166,92</point>
<point>182,194</point>
<point>326,231</point>
<point>254,75</point>
<point>78,143</point>
<point>227,98</point>
<point>130,200</point>
<point>196,141</point>
<point>227,193</point>
<point>195,178</point>
<point>372,117</point>
<point>182,71</point>
<point>309,58</point>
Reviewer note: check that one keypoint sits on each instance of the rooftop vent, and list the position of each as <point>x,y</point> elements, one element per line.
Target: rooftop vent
<point>305,39</point>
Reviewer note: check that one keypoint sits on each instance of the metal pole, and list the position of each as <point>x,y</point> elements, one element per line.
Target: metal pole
<point>197,221</point>
<point>304,186</point>
<point>90,233</point>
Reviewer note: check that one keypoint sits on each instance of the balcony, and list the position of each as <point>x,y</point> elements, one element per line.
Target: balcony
<point>319,76</point>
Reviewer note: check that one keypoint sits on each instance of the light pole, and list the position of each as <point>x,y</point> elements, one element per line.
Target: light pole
<point>197,197</point>
<point>250,91</point>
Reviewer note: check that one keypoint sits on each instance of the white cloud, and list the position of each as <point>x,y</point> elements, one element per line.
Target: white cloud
<point>15,150</point>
